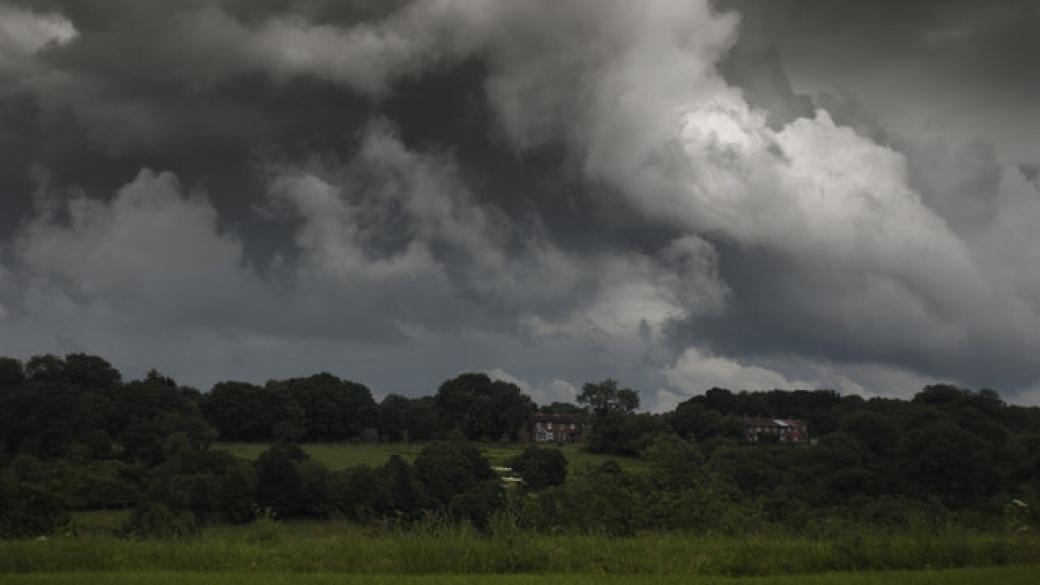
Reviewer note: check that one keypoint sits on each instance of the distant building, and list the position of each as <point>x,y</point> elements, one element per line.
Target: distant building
<point>786,430</point>
<point>544,427</point>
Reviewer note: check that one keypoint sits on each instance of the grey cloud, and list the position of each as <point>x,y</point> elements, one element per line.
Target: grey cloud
<point>556,191</point>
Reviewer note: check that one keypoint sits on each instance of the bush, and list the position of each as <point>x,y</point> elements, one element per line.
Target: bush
<point>28,510</point>
<point>478,504</point>
<point>279,482</point>
<point>459,481</point>
<point>155,520</point>
<point>448,469</point>
<point>541,468</point>
<point>237,497</point>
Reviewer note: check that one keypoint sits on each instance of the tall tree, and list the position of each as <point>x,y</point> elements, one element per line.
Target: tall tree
<point>605,398</point>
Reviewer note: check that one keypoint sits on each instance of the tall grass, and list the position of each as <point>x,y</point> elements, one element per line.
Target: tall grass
<point>1003,575</point>
<point>459,550</point>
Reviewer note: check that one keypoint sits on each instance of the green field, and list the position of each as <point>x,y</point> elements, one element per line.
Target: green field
<point>1021,575</point>
<point>343,455</point>
<point>315,547</point>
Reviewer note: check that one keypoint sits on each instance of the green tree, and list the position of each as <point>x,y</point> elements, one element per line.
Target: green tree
<point>11,373</point>
<point>675,463</point>
<point>540,468</point>
<point>406,496</point>
<point>450,468</point>
<point>693,420</point>
<point>333,409</point>
<point>605,398</point>
<point>279,485</point>
<point>27,508</point>
<point>482,408</point>
<point>237,498</point>
<point>240,411</point>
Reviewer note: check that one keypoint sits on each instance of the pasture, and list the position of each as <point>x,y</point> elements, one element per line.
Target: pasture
<point>343,455</point>
<point>339,547</point>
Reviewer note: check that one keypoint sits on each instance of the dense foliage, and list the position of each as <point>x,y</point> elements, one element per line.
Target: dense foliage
<point>74,435</point>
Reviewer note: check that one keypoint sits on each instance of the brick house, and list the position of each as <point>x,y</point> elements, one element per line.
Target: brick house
<point>545,427</point>
<point>787,430</point>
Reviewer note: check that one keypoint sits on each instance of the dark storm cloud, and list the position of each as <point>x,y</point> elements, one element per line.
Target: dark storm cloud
<point>556,191</point>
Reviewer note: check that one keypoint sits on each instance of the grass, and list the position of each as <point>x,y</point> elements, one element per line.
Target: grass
<point>338,547</point>
<point>344,455</point>
<point>1017,575</point>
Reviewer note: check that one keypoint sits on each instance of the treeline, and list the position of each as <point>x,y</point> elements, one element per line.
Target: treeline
<point>326,408</point>
<point>74,435</point>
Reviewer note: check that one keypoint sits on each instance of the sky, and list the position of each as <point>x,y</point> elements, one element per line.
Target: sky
<point>677,194</point>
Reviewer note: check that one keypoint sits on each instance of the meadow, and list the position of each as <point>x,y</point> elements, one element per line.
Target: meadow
<point>271,547</point>
<point>339,456</point>
<point>1018,575</point>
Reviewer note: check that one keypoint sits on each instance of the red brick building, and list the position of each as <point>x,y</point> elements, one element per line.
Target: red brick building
<point>786,430</point>
<point>544,427</point>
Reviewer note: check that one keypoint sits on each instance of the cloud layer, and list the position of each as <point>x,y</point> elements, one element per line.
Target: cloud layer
<point>545,191</point>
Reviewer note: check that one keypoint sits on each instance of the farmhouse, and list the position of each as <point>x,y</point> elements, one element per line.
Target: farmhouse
<point>545,427</point>
<point>786,430</point>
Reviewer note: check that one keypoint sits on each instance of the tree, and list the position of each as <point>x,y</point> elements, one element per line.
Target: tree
<point>392,416</point>
<point>540,468</point>
<point>402,418</point>
<point>366,494</point>
<point>11,373</point>
<point>692,420</point>
<point>603,499</point>
<point>28,509</point>
<point>622,434</point>
<point>606,398</point>
<point>939,458</point>
<point>238,496</point>
<point>675,463</point>
<point>406,496</point>
<point>482,408</point>
<point>333,409</point>
<point>279,486</point>
<point>240,411</point>
<point>448,469</point>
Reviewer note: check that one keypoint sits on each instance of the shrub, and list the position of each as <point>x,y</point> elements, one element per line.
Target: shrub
<point>541,468</point>
<point>155,520</point>
<point>28,510</point>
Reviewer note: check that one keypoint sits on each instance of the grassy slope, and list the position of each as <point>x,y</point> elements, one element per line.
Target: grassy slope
<point>1021,575</point>
<point>339,548</point>
<point>343,455</point>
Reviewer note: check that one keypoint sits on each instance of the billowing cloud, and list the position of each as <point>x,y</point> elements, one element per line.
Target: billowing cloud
<point>560,191</point>
<point>544,392</point>
<point>23,32</point>
<point>696,371</point>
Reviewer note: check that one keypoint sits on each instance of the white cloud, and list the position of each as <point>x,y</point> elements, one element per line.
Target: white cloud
<point>911,263</point>
<point>635,93</point>
<point>23,32</point>
<point>696,371</point>
<point>145,256</point>
<point>544,392</point>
